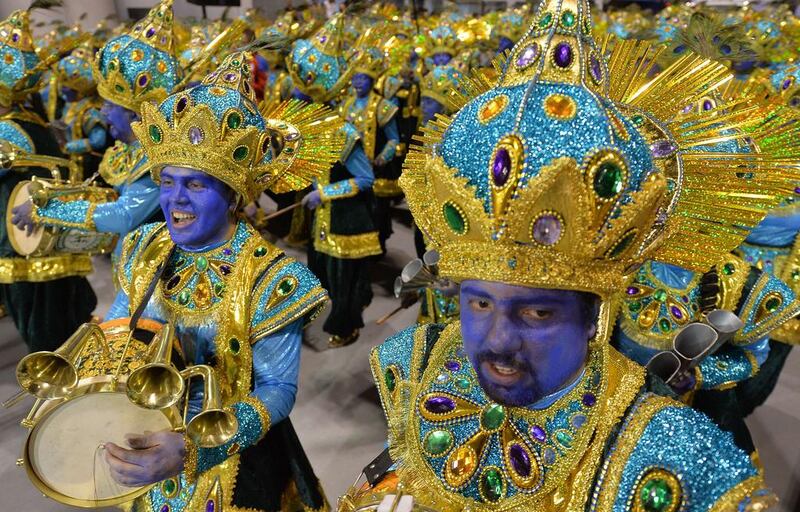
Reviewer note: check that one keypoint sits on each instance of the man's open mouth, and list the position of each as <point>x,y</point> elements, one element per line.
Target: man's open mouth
<point>182,219</point>
<point>501,373</point>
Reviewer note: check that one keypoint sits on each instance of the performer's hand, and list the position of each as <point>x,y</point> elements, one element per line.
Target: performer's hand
<point>312,200</point>
<point>21,217</point>
<point>404,504</point>
<point>379,162</point>
<point>153,457</point>
<point>683,383</point>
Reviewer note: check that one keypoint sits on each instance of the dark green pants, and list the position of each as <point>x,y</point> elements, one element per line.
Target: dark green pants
<point>46,314</point>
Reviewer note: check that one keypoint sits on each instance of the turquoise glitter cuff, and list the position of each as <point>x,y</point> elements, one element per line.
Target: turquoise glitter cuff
<point>66,214</point>
<point>339,190</point>
<point>253,424</point>
<point>389,150</point>
<point>77,147</point>
<point>724,369</point>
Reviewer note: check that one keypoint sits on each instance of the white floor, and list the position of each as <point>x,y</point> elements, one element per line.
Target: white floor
<point>338,417</point>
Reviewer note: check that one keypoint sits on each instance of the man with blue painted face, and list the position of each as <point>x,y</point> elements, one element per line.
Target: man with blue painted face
<point>236,302</point>
<point>133,68</point>
<point>542,194</point>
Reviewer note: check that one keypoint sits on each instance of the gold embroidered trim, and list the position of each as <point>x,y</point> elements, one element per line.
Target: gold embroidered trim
<point>45,268</point>
<point>731,500</point>
<point>769,321</point>
<point>190,460</point>
<point>384,187</point>
<point>788,332</point>
<point>263,414</point>
<point>344,246</point>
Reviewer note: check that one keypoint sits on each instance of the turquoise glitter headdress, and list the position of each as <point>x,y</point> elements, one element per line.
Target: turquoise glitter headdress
<point>571,171</point>
<point>216,127</point>
<point>75,70</point>
<point>140,65</point>
<point>317,65</point>
<point>19,70</point>
<point>443,84</point>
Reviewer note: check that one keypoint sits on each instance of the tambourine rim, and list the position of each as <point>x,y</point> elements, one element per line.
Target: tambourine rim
<point>85,386</point>
<point>12,230</point>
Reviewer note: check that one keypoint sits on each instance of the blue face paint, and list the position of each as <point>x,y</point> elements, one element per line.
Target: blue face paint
<point>362,83</point>
<point>69,94</point>
<point>197,208</point>
<point>524,343</point>
<point>119,121</point>
<point>505,44</point>
<point>430,107</point>
<point>442,59</point>
<point>296,94</point>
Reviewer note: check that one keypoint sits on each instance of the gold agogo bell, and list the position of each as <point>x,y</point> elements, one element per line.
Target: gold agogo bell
<point>155,385</point>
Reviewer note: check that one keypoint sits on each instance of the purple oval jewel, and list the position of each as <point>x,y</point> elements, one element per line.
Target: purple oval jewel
<point>163,39</point>
<point>15,37</point>
<point>501,167</point>
<point>452,365</point>
<point>797,190</point>
<point>787,83</point>
<point>549,456</point>
<point>708,104</point>
<point>676,312</point>
<point>323,39</point>
<point>663,148</point>
<point>181,105</point>
<point>210,506</point>
<point>195,135</point>
<point>595,69</point>
<point>687,109</point>
<point>528,55</point>
<point>563,55</point>
<point>547,229</point>
<point>632,290</point>
<point>150,32</point>
<point>225,269</point>
<point>164,508</point>
<point>685,299</point>
<point>538,433</point>
<point>230,77</point>
<point>578,420</point>
<point>172,283</point>
<point>142,80</point>
<point>439,405</point>
<point>227,251</point>
<point>589,399</point>
<point>520,460</point>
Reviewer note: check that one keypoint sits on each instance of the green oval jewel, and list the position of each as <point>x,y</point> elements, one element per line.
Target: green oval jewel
<point>260,252</point>
<point>437,442</point>
<point>389,378</point>
<point>728,269</point>
<point>183,297</point>
<point>112,66</point>
<point>169,487</point>
<point>492,484</point>
<point>493,416</point>
<point>155,133</point>
<point>564,439</point>
<point>635,306</point>
<point>568,19</point>
<point>463,383</point>
<point>201,263</point>
<point>285,287</point>
<point>656,496</point>
<point>546,19</point>
<point>795,275</point>
<point>637,120</point>
<point>664,325</point>
<point>234,120</point>
<point>454,218</point>
<point>119,88</point>
<point>608,180</point>
<point>235,63</point>
<point>240,153</point>
<point>772,304</point>
<point>660,295</point>
<point>234,345</point>
<point>219,289</point>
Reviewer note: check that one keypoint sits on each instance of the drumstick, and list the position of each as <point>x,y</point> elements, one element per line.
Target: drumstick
<point>14,400</point>
<point>384,318</point>
<point>282,211</point>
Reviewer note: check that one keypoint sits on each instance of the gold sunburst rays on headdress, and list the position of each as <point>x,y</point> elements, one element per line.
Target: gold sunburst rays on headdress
<point>724,170</point>
<point>308,140</point>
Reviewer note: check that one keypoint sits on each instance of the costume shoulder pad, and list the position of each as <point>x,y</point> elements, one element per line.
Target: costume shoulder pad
<point>285,291</point>
<point>132,246</point>
<point>351,136</point>
<point>667,456</point>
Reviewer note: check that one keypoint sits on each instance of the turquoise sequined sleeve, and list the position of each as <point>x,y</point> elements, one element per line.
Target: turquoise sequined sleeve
<point>137,202</point>
<point>730,365</point>
<point>66,214</point>
<point>392,139</point>
<point>252,426</point>
<point>360,167</point>
<point>77,147</point>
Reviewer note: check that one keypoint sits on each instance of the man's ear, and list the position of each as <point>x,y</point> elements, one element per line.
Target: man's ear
<point>592,330</point>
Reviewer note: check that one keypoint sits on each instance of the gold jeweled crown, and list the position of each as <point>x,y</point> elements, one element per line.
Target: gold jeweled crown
<point>570,171</point>
<point>216,127</point>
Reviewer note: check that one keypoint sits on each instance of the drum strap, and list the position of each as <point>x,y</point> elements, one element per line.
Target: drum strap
<point>137,314</point>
